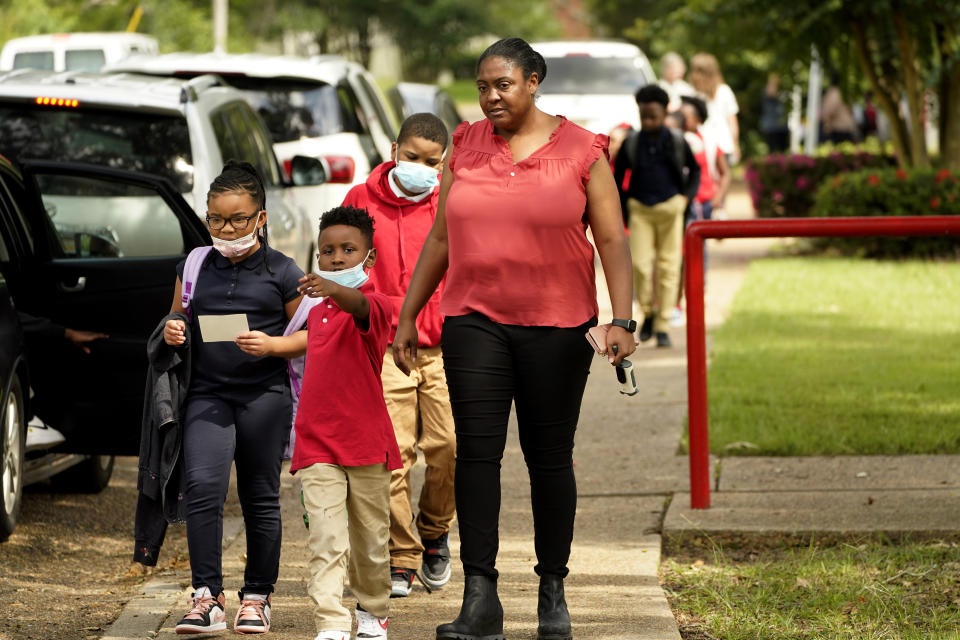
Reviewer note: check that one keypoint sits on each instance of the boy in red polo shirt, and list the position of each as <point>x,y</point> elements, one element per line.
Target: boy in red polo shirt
<point>401,195</point>
<point>345,448</point>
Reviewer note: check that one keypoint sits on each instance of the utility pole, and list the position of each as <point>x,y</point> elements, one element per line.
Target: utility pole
<point>220,9</point>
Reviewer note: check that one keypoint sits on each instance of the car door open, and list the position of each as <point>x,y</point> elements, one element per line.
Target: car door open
<point>107,245</point>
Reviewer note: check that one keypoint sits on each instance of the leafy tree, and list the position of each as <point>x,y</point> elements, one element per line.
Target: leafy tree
<point>901,48</point>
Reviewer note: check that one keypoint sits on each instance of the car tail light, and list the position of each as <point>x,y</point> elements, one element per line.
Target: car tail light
<point>342,169</point>
<point>57,102</point>
<point>288,168</point>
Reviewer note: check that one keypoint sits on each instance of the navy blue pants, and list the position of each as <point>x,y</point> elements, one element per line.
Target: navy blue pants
<point>544,371</point>
<point>253,431</point>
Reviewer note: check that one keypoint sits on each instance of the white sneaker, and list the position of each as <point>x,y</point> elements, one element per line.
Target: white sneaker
<point>42,436</point>
<point>677,318</point>
<point>370,626</point>
<point>330,634</point>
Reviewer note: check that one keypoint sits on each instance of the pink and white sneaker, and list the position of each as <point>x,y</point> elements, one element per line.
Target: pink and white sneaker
<point>206,614</point>
<point>253,615</point>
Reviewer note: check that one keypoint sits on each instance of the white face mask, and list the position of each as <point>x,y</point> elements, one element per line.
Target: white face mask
<point>239,246</point>
<point>414,177</point>
<point>354,277</point>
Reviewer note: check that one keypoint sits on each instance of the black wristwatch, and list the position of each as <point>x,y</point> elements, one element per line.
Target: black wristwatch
<point>630,325</point>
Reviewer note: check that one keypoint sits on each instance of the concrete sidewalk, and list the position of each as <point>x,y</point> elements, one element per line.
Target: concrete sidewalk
<point>633,487</point>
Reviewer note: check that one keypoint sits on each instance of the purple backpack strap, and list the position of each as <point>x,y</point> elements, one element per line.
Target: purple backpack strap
<point>191,269</point>
<point>295,365</point>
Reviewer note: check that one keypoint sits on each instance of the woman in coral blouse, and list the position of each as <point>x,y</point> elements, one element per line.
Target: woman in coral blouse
<point>519,191</point>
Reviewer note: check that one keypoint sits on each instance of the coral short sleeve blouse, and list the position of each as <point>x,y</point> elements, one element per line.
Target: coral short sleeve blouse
<point>518,249</point>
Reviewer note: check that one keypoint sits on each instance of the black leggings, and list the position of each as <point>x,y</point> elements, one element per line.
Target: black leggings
<point>544,370</point>
<point>218,430</point>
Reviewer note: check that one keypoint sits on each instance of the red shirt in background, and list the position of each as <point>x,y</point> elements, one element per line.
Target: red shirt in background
<point>400,228</point>
<point>518,247</point>
<point>708,188</point>
<point>342,418</point>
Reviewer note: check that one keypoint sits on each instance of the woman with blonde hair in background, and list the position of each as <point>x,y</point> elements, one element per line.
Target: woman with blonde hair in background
<point>722,105</point>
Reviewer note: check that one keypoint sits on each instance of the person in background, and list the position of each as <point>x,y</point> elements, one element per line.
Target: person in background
<point>401,196</point>
<point>672,70</point>
<point>722,104</point>
<point>836,118</point>
<point>520,293</point>
<point>772,120</point>
<point>44,340</point>
<point>715,174</point>
<point>665,178</point>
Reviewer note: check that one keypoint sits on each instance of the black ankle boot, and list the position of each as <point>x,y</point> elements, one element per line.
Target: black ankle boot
<point>481,615</point>
<point>552,610</point>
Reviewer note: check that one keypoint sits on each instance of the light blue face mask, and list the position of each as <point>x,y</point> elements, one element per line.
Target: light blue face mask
<point>415,177</point>
<point>353,278</point>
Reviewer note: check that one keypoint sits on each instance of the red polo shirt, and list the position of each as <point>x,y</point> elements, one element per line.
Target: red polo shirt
<point>401,226</point>
<point>342,418</point>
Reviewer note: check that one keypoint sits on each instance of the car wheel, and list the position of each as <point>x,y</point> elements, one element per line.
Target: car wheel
<point>90,476</point>
<point>12,441</point>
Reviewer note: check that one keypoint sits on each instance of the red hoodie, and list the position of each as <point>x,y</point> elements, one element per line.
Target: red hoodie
<point>401,227</point>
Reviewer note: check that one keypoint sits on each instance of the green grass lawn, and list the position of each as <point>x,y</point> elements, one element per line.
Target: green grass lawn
<point>838,356</point>
<point>872,590</point>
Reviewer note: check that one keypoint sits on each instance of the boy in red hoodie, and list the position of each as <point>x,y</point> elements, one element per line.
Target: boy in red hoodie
<point>401,196</point>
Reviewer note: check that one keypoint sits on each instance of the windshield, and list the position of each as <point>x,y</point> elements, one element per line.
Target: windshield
<point>585,74</point>
<point>149,142</point>
<point>293,110</point>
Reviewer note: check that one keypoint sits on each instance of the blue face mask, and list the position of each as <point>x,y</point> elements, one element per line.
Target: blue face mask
<point>415,177</point>
<point>353,278</point>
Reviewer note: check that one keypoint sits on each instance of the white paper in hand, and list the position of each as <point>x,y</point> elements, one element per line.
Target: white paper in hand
<point>222,328</point>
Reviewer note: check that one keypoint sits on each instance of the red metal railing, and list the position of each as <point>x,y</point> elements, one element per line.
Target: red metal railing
<point>693,287</point>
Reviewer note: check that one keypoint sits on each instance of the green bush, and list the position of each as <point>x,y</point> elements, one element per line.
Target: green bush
<point>784,185</point>
<point>891,192</point>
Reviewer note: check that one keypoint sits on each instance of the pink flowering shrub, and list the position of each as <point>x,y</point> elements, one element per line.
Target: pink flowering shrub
<point>784,185</point>
<point>891,192</point>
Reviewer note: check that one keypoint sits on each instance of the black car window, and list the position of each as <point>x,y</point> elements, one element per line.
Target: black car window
<point>586,75</point>
<point>240,139</point>
<point>266,162</point>
<point>294,109</point>
<point>386,123</point>
<point>14,194</point>
<point>96,217</point>
<point>355,115</point>
<point>155,143</point>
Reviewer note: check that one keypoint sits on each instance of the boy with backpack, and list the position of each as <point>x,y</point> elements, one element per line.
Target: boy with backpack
<point>664,179</point>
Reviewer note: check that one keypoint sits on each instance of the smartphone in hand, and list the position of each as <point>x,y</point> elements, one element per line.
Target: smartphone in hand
<point>597,337</point>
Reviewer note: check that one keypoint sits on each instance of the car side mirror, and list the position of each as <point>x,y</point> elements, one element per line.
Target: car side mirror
<point>306,171</point>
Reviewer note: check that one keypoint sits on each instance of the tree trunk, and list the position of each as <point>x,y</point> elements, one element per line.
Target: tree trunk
<point>906,44</point>
<point>950,116</point>
<point>886,98</point>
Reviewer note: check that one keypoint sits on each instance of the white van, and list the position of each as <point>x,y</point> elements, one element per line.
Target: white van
<point>73,51</point>
<point>593,82</point>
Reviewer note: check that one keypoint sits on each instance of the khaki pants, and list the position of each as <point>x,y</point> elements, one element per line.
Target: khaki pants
<point>656,239</point>
<point>349,512</point>
<point>419,407</point>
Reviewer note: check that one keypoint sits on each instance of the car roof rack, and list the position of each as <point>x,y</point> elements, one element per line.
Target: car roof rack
<point>188,93</point>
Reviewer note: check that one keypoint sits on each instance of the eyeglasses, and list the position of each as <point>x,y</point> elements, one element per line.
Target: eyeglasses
<point>239,223</point>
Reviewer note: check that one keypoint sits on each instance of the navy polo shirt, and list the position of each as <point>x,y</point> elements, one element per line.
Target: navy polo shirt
<point>653,180</point>
<point>246,287</point>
